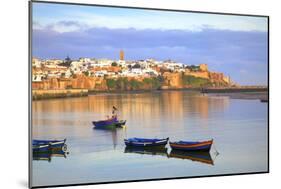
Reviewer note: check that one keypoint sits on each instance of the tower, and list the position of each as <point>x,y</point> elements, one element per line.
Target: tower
<point>121,55</point>
<point>203,67</point>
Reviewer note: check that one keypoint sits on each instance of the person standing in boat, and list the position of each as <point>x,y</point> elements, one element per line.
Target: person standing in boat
<point>114,112</point>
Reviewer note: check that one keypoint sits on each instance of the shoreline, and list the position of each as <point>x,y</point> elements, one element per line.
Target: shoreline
<point>58,93</point>
<point>234,89</point>
<point>262,96</point>
<point>260,93</point>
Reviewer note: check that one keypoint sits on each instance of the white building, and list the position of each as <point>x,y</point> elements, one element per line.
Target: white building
<point>122,63</point>
<point>37,77</point>
<point>36,62</point>
<point>85,60</point>
<point>150,72</point>
<point>100,73</point>
<point>104,62</point>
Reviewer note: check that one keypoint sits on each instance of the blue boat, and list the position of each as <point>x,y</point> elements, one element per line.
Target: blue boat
<point>108,123</point>
<point>192,146</point>
<point>47,145</point>
<point>143,142</point>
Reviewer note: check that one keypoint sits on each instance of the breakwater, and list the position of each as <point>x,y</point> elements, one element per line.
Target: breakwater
<point>234,89</point>
<point>58,93</point>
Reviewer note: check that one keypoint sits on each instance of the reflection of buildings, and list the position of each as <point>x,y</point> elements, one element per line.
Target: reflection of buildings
<point>203,105</point>
<point>154,112</point>
<point>173,104</point>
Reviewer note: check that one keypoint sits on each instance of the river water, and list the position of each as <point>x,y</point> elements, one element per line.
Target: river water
<point>238,126</point>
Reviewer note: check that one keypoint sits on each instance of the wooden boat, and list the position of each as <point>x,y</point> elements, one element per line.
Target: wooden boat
<point>192,146</point>
<point>108,123</point>
<point>47,145</point>
<point>143,142</point>
<point>198,156</point>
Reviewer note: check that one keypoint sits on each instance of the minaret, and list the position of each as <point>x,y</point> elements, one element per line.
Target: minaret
<point>121,55</point>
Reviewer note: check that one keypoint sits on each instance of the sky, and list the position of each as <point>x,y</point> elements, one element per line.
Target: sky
<point>234,45</point>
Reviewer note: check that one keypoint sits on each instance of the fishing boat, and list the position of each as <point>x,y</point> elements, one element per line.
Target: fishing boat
<point>143,142</point>
<point>47,145</point>
<point>192,146</point>
<point>198,156</point>
<point>108,123</point>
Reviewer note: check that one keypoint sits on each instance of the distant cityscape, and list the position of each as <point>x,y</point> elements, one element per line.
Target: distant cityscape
<point>106,74</point>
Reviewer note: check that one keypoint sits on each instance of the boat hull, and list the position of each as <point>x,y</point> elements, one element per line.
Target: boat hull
<point>146,143</point>
<point>110,123</point>
<point>192,146</point>
<point>48,145</point>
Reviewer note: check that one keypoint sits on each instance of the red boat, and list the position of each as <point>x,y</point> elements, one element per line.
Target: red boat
<point>192,146</point>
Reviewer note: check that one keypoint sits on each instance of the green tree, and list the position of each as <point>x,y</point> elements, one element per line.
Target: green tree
<point>86,73</point>
<point>62,74</point>
<point>111,83</point>
<point>114,64</point>
<point>135,85</point>
<point>196,81</point>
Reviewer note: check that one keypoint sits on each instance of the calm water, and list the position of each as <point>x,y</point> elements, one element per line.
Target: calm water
<point>238,127</point>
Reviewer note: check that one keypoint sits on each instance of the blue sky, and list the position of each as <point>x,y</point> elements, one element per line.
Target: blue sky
<point>235,45</point>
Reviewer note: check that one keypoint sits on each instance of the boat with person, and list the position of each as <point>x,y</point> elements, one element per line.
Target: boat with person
<point>145,142</point>
<point>47,145</point>
<point>110,123</point>
<point>192,146</point>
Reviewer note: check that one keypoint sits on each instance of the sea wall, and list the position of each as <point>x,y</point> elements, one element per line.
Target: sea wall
<point>58,93</point>
<point>234,89</point>
<point>168,80</point>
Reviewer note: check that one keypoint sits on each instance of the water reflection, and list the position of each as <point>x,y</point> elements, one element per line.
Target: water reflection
<point>48,155</point>
<point>201,157</point>
<point>144,110</point>
<point>181,115</point>
<point>111,132</point>
<point>147,151</point>
<point>198,156</point>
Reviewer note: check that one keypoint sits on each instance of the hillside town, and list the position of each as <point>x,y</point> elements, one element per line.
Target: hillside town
<point>105,74</point>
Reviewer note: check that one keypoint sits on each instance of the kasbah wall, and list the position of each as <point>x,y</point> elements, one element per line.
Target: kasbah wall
<point>171,80</point>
